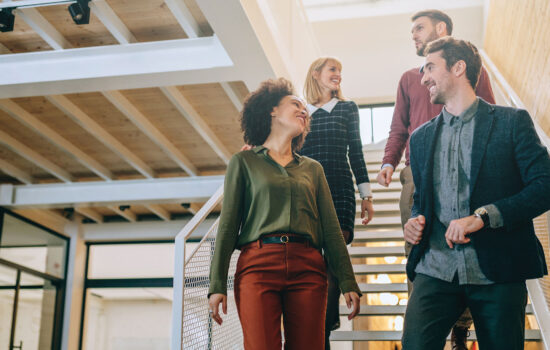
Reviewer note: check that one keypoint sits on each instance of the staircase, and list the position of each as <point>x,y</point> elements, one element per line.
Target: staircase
<point>378,259</point>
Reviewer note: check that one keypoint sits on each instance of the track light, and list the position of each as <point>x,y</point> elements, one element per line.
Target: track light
<point>80,11</point>
<point>123,207</point>
<point>6,19</point>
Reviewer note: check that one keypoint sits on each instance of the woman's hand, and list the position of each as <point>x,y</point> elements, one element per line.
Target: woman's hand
<point>247,147</point>
<point>366,206</point>
<point>352,299</point>
<point>213,306</point>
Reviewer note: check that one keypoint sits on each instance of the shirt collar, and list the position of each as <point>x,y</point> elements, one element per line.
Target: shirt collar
<point>263,149</point>
<point>329,106</point>
<point>465,116</point>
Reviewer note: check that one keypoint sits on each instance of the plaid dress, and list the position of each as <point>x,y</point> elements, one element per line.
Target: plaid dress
<point>334,138</point>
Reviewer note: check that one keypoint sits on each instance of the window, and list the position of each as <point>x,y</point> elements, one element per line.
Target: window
<point>375,122</point>
<point>128,296</point>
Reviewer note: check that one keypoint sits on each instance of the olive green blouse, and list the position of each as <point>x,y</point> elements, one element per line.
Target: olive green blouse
<point>263,197</point>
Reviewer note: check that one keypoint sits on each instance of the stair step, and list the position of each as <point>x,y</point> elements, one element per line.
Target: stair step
<point>393,186</point>
<point>372,252</point>
<point>383,287</point>
<point>382,209</point>
<point>380,221</point>
<point>378,236</point>
<point>382,268</point>
<point>393,310</point>
<point>383,197</point>
<point>530,335</point>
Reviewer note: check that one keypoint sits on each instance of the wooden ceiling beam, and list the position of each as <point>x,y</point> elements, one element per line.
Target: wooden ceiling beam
<point>46,217</point>
<point>233,96</point>
<point>89,213</point>
<point>159,211</point>
<point>4,50</point>
<point>128,214</point>
<point>149,129</point>
<point>43,28</point>
<point>34,157</point>
<point>15,172</point>
<point>112,22</point>
<point>27,118</point>
<point>184,17</point>
<point>71,110</point>
<point>194,118</point>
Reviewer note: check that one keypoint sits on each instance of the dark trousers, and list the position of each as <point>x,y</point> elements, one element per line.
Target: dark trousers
<point>281,280</point>
<point>498,311</point>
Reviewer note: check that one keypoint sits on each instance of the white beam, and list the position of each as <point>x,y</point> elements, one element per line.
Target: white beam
<point>112,67</point>
<point>184,18</point>
<point>33,3</point>
<point>89,213</point>
<point>143,123</point>
<point>120,192</point>
<point>193,117</point>
<point>43,28</point>
<point>15,172</point>
<point>233,96</point>
<point>71,110</point>
<point>111,21</point>
<point>128,214</point>
<point>34,157</point>
<point>141,230</point>
<point>25,117</point>
<point>159,211</point>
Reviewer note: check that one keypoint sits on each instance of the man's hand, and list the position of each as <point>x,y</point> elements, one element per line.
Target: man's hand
<point>213,306</point>
<point>384,176</point>
<point>366,206</point>
<point>460,228</point>
<point>414,228</point>
<point>352,299</point>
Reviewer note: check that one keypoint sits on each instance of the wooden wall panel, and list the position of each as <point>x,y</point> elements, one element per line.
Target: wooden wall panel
<point>517,39</point>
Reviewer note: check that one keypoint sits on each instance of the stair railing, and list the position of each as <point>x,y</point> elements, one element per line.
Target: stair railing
<point>192,325</point>
<point>505,94</point>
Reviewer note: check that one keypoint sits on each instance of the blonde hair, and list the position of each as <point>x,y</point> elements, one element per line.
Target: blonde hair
<point>312,90</point>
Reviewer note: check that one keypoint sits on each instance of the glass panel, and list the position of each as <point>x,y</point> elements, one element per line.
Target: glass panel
<point>35,313</point>
<point>127,319</point>
<point>7,293</point>
<point>149,260</point>
<point>33,247</point>
<point>365,126</point>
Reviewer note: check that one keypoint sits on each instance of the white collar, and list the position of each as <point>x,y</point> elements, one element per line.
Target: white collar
<point>329,106</point>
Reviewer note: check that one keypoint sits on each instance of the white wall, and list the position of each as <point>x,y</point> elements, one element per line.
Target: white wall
<point>375,51</point>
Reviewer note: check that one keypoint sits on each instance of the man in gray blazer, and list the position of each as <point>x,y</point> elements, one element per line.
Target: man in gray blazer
<point>481,176</point>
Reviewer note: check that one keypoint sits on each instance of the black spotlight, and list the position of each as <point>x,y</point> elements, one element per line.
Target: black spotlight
<point>80,11</point>
<point>6,19</point>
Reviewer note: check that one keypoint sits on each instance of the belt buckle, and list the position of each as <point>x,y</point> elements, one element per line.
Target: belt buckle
<point>284,239</point>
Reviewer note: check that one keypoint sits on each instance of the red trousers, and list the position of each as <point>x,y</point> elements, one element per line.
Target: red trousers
<point>288,280</point>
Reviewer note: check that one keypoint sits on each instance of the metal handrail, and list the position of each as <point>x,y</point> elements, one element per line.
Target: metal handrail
<point>180,261</point>
<point>536,294</point>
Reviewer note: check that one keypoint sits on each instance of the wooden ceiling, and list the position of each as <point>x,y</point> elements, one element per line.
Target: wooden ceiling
<point>116,135</point>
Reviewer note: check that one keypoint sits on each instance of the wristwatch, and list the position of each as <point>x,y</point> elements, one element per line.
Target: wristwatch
<point>483,214</point>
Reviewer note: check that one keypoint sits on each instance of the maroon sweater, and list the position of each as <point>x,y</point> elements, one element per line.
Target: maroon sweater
<point>413,108</point>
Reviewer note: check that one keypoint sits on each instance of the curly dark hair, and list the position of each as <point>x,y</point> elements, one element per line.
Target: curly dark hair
<point>256,113</point>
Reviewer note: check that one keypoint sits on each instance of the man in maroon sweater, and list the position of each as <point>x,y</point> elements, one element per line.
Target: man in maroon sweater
<point>412,109</point>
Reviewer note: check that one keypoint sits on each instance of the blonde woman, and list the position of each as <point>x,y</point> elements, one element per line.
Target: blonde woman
<point>335,142</point>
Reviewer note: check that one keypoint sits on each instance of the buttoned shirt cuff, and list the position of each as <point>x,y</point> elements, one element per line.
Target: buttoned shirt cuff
<point>495,217</point>
<point>364,190</point>
<point>388,165</point>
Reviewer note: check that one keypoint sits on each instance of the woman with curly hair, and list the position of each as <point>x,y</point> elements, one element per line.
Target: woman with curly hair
<point>278,211</point>
<point>335,142</point>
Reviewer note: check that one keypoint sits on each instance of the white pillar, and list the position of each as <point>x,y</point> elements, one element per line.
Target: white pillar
<point>76,265</point>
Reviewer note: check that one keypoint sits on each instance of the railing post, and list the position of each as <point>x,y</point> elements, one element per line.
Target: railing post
<point>178,288</point>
